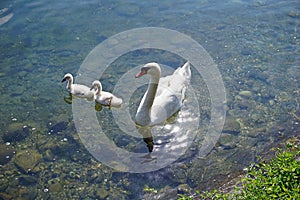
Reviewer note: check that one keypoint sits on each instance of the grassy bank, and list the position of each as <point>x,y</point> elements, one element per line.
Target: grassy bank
<point>278,178</point>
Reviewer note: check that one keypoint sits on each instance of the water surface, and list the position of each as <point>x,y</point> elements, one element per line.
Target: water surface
<point>255,45</point>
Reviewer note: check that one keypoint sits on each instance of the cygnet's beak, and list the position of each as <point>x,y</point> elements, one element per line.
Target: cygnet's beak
<point>92,88</point>
<point>64,79</point>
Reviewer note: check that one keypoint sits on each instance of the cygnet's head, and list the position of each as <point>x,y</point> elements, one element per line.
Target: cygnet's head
<point>68,76</point>
<point>96,85</point>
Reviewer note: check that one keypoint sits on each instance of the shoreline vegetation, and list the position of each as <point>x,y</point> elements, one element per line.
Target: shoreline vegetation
<point>276,175</point>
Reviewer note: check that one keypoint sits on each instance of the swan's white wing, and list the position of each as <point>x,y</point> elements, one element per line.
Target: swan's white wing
<point>81,90</point>
<point>174,83</point>
<point>108,99</point>
<point>177,82</point>
<point>164,106</point>
<point>106,95</point>
<point>170,94</point>
<point>168,100</point>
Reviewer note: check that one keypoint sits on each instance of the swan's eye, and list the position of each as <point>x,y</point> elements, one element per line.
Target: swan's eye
<point>145,69</point>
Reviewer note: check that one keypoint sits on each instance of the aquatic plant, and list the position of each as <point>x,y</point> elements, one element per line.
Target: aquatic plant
<point>277,179</point>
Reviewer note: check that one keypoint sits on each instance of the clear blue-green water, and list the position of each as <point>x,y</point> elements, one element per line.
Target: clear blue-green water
<point>255,45</point>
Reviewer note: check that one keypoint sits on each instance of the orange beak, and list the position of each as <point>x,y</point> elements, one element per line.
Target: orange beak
<point>141,73</point>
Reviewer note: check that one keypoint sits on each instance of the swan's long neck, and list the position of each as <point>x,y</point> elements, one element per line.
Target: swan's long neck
<point>99,89</point>
<point>69,84</point>
<point>143,116</point>
<point>151,91</point>
<point>150,95</point>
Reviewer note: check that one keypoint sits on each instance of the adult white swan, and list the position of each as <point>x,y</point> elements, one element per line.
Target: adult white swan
<point>77,89</point>
<point>164,96</point>
<point>105,98</point>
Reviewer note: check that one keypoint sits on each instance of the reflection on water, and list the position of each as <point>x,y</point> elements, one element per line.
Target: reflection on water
<point>147,136</point>
<point>255,45</point>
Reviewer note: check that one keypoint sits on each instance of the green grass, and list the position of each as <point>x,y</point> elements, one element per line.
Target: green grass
<point>277,179</point>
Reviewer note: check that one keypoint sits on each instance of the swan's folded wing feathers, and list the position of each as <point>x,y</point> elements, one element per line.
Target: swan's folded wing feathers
<point>164,83</point>
<point>80,89</point>
<point>78,93</point>
<point>174,85</point>
<point>165,105</point>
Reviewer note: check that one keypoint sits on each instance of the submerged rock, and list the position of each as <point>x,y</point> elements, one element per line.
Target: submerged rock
<point>184,188</point>
<point>243,105</point>
<point>294,14</point>
<point>102,193</point>
<point>18,91</point>
<point>227,141</point>
<point>231,126</point>
<point>56,187</point>
<point>165,193</point>
<point>52,148</point>
<point>4,195</point>
<point>245,93</point>
<point>58,127</point>
<point>27,180</point>
<point>26,193</point>
<point>27,160</point>
<point>6,153</point>
<point>16,132</point>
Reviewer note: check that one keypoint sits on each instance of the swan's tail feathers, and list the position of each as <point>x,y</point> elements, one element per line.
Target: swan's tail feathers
<point>119,101</point>
<point>116,101</point>
<point>185,70</point>
<point>183,95</point>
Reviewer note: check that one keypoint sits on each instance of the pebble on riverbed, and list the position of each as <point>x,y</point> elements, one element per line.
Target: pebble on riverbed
<point>101,193</point>
<point>227,141</point>
<point>245,93</point>
<point>6,153</point>
<point>58,127</point>
<point>231,126</point>
<point>27,160</point>
<point>16,132</point>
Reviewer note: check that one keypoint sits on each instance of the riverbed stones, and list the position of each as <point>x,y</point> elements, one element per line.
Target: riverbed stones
<point>245,93</point>
<point>16,132</point>
<point>243,104</point>
<point>56,187</point>
<point>102,193</point>
<point>6,153</point>
<point>227,141</point>
<point>27,180</point>
<point>294,14</point>
<point>231,126</point>
<point>27,160</point>
<point>58,127</point>
<point>184,188</point>
<point>165,193</point>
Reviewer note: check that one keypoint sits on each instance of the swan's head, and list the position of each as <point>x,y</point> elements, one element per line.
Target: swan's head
<point>68,77</point>
<point>97,84</point>
<point>152,69</point>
